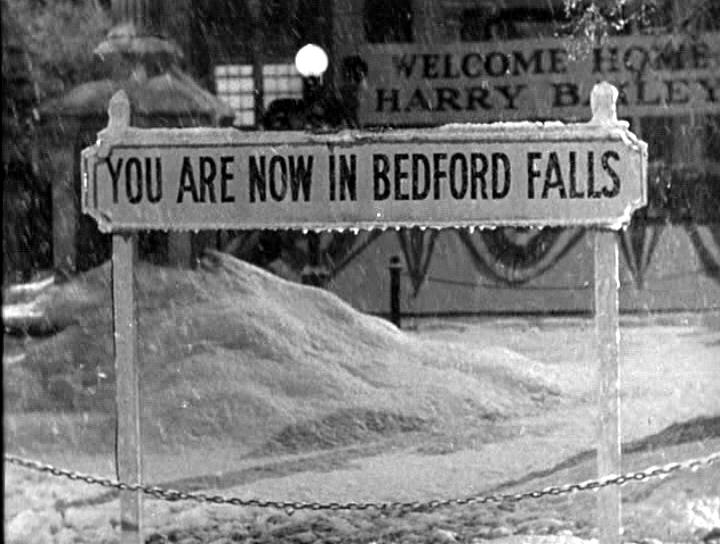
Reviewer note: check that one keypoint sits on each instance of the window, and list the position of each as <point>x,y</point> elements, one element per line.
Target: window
<point>388,21</point>
<point>234,84</point>
<point>281,81</point>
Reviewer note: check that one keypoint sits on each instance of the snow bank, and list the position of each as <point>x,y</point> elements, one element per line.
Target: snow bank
<point>232,351</point>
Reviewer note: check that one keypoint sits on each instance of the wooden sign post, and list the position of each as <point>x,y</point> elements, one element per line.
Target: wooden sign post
<point>128,440</point>
<point>607,325</point>
<point>504,174</point>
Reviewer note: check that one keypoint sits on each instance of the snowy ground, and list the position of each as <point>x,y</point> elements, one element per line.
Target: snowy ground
<point>670,386</point>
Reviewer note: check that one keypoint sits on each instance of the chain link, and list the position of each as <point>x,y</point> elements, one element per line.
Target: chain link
<point>417,506</point>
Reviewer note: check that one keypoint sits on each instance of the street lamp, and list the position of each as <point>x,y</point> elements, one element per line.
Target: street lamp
<point>311,61</point>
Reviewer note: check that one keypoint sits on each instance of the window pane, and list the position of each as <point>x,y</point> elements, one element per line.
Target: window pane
<point>234,84</point>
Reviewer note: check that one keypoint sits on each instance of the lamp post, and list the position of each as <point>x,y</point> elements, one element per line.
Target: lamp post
<point>312,62</point>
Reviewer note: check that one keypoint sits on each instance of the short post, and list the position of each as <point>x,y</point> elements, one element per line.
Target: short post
<point>395,270</point>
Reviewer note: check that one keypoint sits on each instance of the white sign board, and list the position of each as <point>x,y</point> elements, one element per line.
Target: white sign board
<point>454,176</point>
<point>415,84</point>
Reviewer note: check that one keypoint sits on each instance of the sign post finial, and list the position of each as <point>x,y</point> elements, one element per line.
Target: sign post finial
<point>603,103</point>
<point>119,111</point>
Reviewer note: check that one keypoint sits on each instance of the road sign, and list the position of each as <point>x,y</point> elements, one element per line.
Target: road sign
<point>519,174</point>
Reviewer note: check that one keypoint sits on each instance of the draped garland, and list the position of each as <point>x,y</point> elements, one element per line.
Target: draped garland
<point>706,239</point>
<point>515,256</point>
<point>637,244</point>
<point>512,256</point>
<point>417,246</point>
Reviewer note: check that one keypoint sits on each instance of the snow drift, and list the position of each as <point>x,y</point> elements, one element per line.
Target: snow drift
<point>229,351</point>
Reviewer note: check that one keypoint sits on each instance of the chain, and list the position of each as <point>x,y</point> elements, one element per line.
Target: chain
<point>417,506</point>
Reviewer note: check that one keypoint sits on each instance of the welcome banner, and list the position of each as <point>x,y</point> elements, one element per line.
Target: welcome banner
<point>414,85</point>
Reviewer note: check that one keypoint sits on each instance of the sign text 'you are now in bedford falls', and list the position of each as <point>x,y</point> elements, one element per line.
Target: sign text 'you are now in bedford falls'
<point>458,175</point>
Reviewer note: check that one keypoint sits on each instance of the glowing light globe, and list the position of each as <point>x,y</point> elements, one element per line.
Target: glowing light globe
<point>311,61</point>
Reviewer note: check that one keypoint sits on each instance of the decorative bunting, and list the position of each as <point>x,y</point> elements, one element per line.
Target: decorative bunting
<point>638,243</point>
<point>517,255</point>
<point>706,239</point>
<point>417,245</point>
